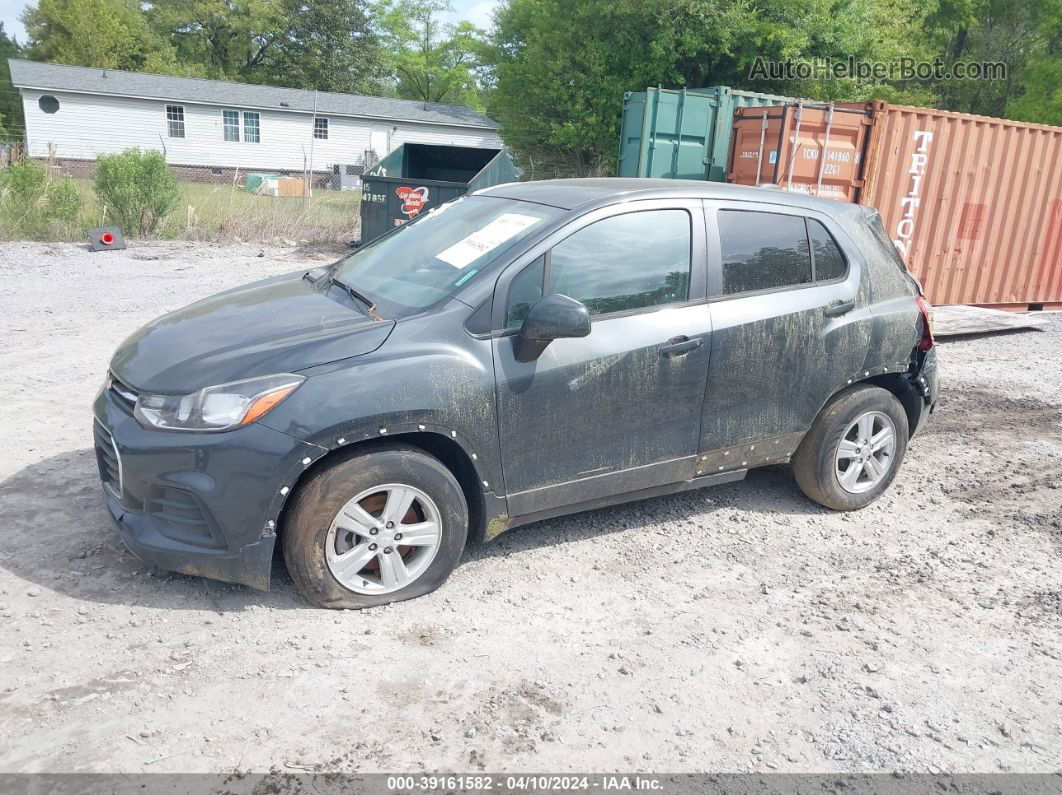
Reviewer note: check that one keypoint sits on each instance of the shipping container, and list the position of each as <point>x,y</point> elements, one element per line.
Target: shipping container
<point>974,204</point>
<point>682,134</point>
<point>805,146</point>
<point>417,177</point>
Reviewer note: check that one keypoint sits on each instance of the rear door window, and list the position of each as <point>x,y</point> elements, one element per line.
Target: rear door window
<point>763,251</point>
<point>771,251</point>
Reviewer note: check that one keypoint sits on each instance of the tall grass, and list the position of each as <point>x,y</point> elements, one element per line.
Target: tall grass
<point>225,213</point>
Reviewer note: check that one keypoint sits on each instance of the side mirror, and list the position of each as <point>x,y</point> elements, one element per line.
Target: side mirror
<point>551,318</point>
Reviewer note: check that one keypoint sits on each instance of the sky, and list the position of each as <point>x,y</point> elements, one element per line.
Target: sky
<point>10,11</point>
<point>476,11</point>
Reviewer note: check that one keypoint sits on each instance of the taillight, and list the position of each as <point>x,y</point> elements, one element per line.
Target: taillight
<point>924,307</point>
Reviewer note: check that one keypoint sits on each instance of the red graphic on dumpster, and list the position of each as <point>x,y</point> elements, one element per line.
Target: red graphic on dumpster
<point>413,199</point>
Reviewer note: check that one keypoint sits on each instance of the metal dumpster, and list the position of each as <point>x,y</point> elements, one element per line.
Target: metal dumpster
<point>682,134</point>
<point>416,177</point>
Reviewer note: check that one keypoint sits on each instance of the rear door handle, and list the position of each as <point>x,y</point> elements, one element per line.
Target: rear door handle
<point>838,308</point>
<point>679,346</point>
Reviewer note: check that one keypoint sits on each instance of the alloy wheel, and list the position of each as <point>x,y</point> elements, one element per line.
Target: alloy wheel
<point>383,539</point>
<point>865,454</point>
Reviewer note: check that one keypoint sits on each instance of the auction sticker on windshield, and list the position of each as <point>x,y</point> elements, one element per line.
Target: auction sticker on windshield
<point>488,237</point>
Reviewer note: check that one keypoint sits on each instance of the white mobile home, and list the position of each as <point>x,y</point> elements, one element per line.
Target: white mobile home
<point>212,129</point>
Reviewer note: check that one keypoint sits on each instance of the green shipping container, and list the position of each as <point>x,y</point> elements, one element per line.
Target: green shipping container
<point>682,134</point>
<point>418,177</point>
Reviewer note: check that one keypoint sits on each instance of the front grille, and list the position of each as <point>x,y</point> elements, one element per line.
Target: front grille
<point>178,515</point>
<point>122,394</point>
<point>110,463</point>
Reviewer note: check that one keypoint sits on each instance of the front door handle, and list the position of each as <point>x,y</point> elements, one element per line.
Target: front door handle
<point>838,308</point>
<point>679,346</point>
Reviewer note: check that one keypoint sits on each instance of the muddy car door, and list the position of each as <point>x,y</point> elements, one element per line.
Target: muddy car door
<point>791,326</point>
<point>618,409</point>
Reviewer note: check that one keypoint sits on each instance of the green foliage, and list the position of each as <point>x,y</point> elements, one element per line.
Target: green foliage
<point>324,44</point>
<point>1025,35</point>
<point>136,189</point>
<point>35,207</point>
<point>329,45</point>
<point>10,102</point>
<point>107,33</point>
<point>1042,100</point>
<point>429,60</point>
<point>561,68</point>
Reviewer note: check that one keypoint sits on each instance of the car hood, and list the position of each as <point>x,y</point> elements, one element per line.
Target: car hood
<point>278,325</point>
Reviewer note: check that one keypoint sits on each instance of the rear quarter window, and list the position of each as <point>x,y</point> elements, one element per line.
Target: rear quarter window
<point>829,261</point>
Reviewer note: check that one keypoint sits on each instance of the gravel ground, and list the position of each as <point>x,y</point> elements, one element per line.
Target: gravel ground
<point>739,628</point>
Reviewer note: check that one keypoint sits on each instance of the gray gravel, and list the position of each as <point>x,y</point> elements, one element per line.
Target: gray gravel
<point>739,628</point>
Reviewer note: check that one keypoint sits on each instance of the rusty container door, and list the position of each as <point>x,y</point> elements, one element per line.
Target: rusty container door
<point>974,204</point>
<point>811,148</point>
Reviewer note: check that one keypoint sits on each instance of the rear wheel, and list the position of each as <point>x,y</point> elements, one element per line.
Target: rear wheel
<point>854,448</point>
<point>380,526</point>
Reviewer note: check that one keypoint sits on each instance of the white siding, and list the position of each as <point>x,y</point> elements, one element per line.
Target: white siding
<point>89,125</point>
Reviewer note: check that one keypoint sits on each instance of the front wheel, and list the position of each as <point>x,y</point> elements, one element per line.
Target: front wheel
<point>853,450</point>
<point>382,525</point>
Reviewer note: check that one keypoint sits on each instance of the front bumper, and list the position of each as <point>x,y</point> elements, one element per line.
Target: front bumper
<point>198,503</point>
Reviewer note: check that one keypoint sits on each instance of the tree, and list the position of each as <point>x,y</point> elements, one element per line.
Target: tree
<point>1024,35</point>
<point>325,44</point>
<point>11,123</point>
<point>429,60</point>
<point>226,39</point>
<point>560,69</point>
<point>106,33</point>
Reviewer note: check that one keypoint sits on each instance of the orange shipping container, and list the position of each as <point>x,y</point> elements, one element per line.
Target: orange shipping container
<point>974,204</point>
<point>807,147</point>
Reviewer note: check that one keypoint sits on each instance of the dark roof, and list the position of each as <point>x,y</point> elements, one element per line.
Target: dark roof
<point>90,80</point>
<point>570,193</point>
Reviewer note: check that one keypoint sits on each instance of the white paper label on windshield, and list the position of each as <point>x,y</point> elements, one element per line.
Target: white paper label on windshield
<point>503,228</point>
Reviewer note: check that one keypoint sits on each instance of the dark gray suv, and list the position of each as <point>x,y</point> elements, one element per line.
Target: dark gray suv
<point>531,350</point>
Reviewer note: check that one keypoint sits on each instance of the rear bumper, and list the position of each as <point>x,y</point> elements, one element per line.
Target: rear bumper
<point>927,381</point>
<point>204,504</point>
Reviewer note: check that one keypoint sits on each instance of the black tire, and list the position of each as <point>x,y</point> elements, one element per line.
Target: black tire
<point>815,463</point>
<point>319,500</point>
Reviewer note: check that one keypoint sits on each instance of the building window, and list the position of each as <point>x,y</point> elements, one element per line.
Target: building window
<point>230,121</point>
<point>175,121</point>
<point>251,132</point>
<point>48,103</point>
<point>320,128</point>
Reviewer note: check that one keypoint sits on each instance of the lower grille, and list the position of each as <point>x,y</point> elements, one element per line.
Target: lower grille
<point>178,515</point>
<point>110,463</point>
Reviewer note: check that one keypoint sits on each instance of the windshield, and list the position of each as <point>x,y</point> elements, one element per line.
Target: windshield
<point>421,264</point>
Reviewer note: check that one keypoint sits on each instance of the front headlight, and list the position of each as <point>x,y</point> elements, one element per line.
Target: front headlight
<point>217,408</point>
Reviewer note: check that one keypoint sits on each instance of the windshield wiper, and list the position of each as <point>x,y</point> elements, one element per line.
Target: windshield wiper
<point>370,305</point>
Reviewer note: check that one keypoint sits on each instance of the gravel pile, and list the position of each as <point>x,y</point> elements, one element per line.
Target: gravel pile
<point>740,628</point>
